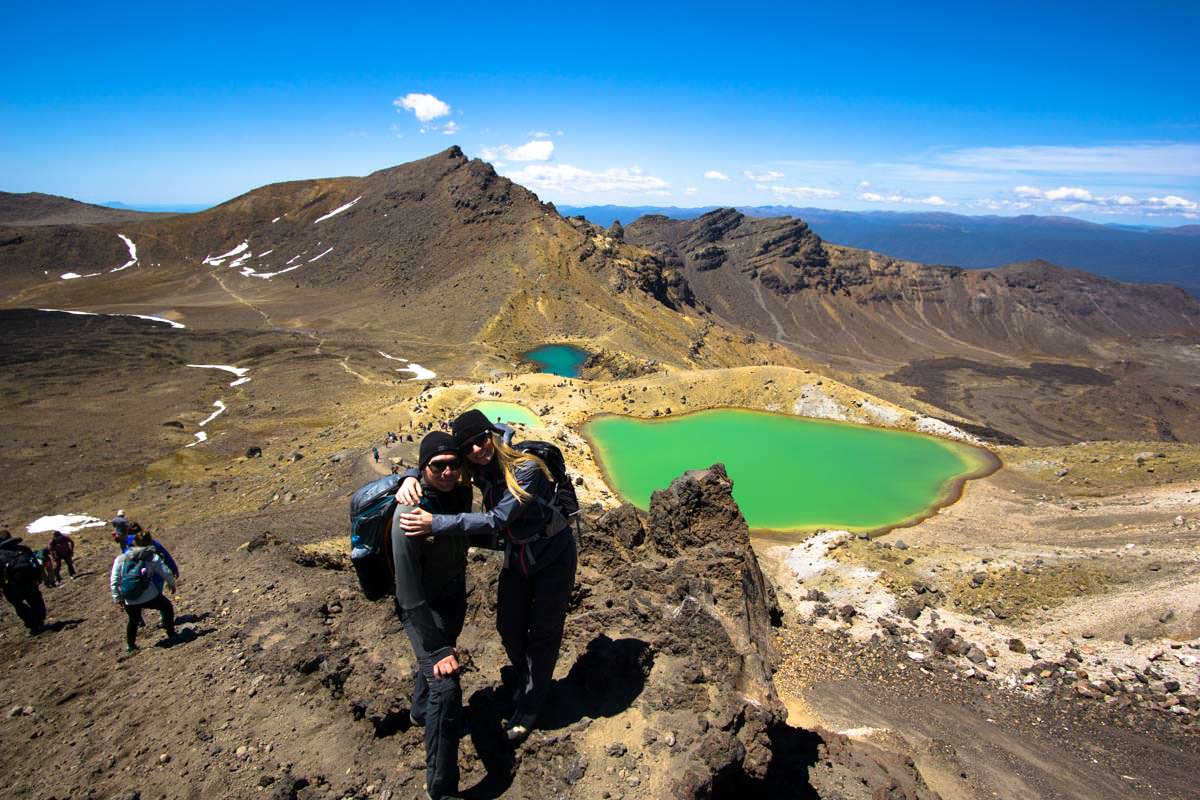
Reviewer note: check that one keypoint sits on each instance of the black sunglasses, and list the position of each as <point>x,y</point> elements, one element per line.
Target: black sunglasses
<point>445,464</point>
<point>478,441</point>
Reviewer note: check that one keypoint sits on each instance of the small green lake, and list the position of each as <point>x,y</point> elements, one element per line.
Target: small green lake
<point>791,473</point>
<point>558,359</point>
<point>498,411</point>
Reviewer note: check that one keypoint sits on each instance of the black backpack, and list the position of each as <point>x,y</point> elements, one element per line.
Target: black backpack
<point>563,499</point>
<point>371,509</point>
<point>20,567</point>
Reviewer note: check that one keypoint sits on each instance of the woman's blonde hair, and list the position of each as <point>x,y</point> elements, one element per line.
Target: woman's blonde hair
<point>510,460</point>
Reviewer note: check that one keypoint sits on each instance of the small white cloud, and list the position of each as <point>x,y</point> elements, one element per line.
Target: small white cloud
<point>1172,202</point>
<point>797,192</point>
<point>934,200</point>
<point>690,190</point>
<point>714,175</point>
<point>864,185</point>
<point>1125,200</point>
<point>763,177</point>
<point>543,134</point>
<point>1027,191</point>
<point>1069,193</point>
<point>565,178</point>
<point>537,150</point>
<point>426,107</point>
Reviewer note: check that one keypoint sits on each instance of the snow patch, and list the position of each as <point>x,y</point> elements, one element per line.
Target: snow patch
<point>132,253</point>
<point>201,436</point>
<point>172,323</point>
<point>216,261</point>
<point>240,372</point>
<point>419,372</point>
<point>276,220</point>
<point>314,258</point>
<point>220,410</point>
<point>338,210</point>
<point>67,523</point>
<point>70,276</point>
<point>266,252</point>
<point>242,259</point>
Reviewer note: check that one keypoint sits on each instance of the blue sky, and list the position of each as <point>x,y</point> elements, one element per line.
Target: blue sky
<point>1090,110</point>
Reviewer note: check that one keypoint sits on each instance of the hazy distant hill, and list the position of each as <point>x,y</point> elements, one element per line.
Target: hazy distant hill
<point>35,208</point>
<point>1126,253</point>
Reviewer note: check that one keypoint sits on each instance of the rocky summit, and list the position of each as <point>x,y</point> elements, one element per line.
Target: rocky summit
<point>229,378</point>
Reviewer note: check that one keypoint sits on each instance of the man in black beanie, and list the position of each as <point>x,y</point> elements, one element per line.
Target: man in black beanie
<point>431,599</point>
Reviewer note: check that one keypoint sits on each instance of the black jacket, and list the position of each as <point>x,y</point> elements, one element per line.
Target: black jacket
<point>430,567</point>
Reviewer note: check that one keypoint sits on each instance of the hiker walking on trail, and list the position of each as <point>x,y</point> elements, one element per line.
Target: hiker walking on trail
<point>62,550</point>
<point>120,525</point>
<point>20,575</point>
<point>136,583</point>
<point>135,532</point>
<point>431,599</point>
<point>540,556</point>
<point>375,453</point>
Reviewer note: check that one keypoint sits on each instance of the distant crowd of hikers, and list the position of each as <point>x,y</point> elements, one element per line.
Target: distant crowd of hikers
<point>136,580</point>
<point>409,537</point>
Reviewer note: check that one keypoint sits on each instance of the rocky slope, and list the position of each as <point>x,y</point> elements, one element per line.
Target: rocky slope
<point>288,684</point>
<point>1062,341</point>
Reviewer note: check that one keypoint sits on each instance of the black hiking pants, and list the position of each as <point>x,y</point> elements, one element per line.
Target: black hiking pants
<point>437,702</point>
<point>28,603</point>
<point>165,610</point>
<point>58,562</point>
<point>530,616</point>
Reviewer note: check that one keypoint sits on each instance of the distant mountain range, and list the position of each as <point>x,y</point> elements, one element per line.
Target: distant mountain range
<point>1123,252</point>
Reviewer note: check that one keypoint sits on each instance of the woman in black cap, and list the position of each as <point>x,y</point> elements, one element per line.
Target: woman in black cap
<point>540,558</point>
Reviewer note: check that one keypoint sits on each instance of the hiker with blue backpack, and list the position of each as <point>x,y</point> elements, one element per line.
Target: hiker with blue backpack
<point>431,599</point>
<point>136,583</point>
<point>135,530</point>
<point>528,501</point>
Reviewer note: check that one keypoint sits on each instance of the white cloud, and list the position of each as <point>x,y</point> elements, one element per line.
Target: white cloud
<point>1027,191</point>
<point>426,107</point>
<point>864,185</point>
<point>763,177</point>
<point>690,190</point>
<point>1069,193</point>
<point>797,192</point>
<point>564,178</point>
<point>896,197</point>
<point>544,134</point>
<point>1145,158</point>
<point>537,150</point>
<point>934,200</point>
<point>1173,202</point>
<point>714,175</point>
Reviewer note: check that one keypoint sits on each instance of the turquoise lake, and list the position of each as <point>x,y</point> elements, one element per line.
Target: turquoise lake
<point>791,473</point>
<point>558,359</point>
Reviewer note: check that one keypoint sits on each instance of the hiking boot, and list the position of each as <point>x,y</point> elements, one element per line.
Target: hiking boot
<point>417,722</point>
<point>130,649</point>
<point>428,796</point>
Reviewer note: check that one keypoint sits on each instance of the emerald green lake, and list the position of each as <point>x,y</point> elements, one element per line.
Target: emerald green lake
<point>498,411</point>
<point>558,359</point>
<point>791,473</point>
